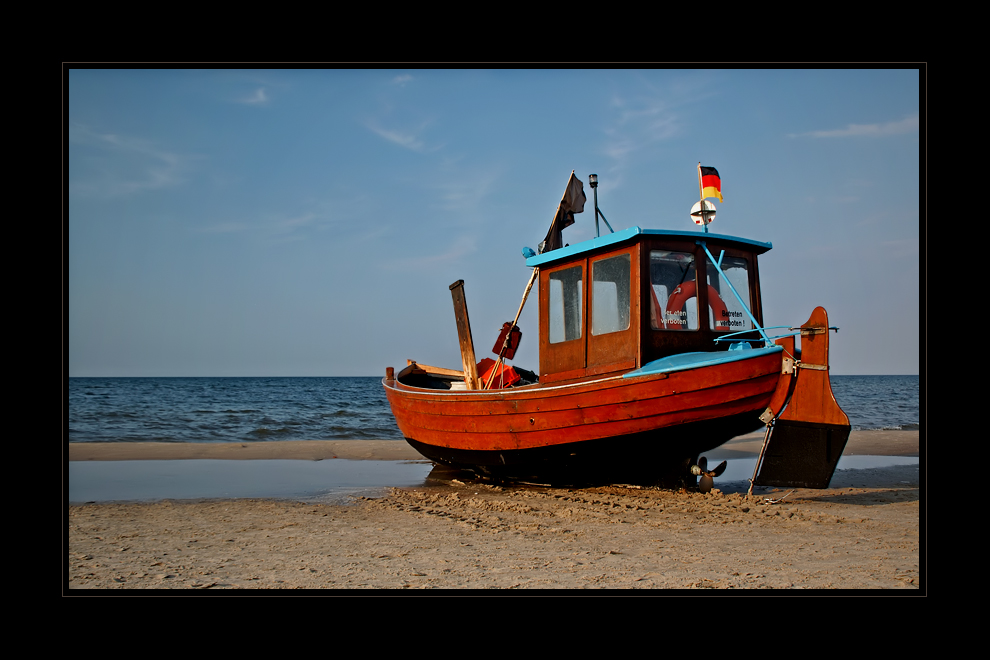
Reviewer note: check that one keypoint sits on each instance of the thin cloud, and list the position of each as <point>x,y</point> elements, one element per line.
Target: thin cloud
<point>344,215</point>
<point>111,165</point>
<point>652,119</point>
<point>462,247</point>
<point>652,115</point>
<point>907,125</point>
<point>282,229</point>
<point>407,139</point>
<point>291,224</point>
<point>644,121</point>
<point>619,148</point>
<point>640,123</point>
<point>402,80</point>
<point>465,194</point>
<point>260,97</point>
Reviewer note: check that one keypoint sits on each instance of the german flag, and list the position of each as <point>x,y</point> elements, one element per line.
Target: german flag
<point>711,183</point>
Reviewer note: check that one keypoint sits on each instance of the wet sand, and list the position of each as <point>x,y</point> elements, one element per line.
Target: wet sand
<point>863,532</point>
<point>872,443</point>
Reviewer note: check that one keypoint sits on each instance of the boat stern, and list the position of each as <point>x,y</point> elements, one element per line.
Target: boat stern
<point>806,440</point>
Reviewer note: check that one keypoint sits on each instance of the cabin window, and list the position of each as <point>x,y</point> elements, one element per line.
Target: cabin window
<point>673,301</point>
<point>610,295</point>
<point>566,299</point>
<point>725,312</point>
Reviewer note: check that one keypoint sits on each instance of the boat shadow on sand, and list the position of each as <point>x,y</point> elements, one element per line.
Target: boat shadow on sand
<point>893,484</point>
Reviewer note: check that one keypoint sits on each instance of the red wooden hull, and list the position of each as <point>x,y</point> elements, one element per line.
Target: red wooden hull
<point>677,414</point>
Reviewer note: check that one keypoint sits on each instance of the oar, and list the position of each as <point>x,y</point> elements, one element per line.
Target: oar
<point>508,335</point>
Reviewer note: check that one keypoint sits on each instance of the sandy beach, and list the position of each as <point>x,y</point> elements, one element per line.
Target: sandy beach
<point>863,532</point>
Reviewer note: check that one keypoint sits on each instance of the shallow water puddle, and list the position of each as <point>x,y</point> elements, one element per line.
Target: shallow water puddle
<point>329,480</point>
<point>317,481</point>
<point>741,469</point>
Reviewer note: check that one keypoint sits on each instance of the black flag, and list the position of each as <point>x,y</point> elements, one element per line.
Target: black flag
<point>572,202</point>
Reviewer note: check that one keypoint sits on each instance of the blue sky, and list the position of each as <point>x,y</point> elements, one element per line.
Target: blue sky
<point>309,223</point>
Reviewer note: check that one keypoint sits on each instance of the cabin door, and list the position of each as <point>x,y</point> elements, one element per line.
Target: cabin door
<point>589,316</point>
<point>563,303</point>
<point>613,305</point>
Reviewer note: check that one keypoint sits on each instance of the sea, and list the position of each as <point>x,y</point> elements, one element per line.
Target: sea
<point>274,409</point>
<point>215,410</point>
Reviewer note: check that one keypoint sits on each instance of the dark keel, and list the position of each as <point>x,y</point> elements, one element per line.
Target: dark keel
<point>660,457</point>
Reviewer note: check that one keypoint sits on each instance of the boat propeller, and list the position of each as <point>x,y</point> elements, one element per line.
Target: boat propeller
<point>707,480</point>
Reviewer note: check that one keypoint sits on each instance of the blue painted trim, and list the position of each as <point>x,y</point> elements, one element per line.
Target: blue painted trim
<point>685,361</point>
<point>626,234</point>
<point>585,246</point>
<point>697,235</point>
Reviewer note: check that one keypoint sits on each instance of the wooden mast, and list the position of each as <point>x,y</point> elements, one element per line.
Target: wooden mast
<point>701,194</point>
<point>464,335</point>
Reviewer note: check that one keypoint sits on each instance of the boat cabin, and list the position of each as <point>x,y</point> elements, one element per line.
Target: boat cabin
<point>653,293</point>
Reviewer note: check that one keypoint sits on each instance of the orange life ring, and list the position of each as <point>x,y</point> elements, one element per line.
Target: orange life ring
<point>687,290</point>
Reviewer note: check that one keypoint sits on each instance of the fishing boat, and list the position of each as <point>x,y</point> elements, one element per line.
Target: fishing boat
<point>652,351</point>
